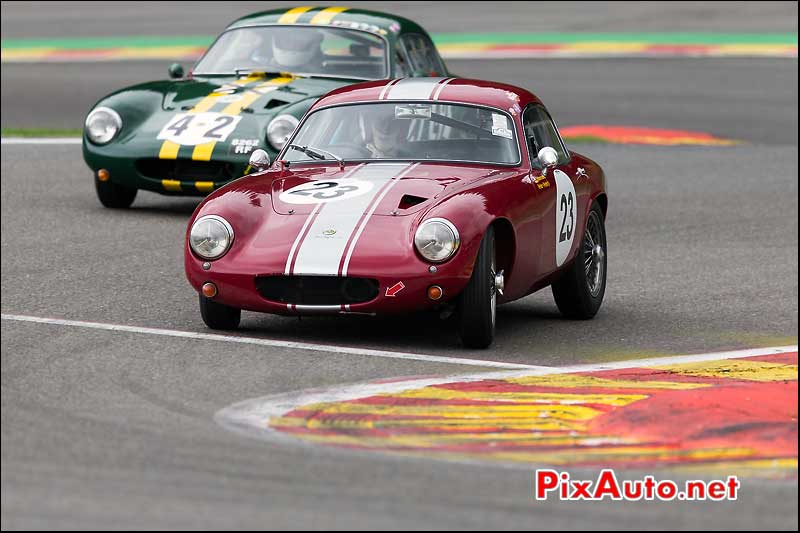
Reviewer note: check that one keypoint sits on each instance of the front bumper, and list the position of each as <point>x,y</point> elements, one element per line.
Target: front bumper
<point>401,289</point>
<point>141,168</point>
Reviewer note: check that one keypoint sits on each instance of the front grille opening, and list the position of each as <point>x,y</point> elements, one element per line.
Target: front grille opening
<point>317,290</point>
<point>185,170</point>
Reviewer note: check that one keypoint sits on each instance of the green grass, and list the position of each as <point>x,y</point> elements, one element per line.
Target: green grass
<point>40,132</point>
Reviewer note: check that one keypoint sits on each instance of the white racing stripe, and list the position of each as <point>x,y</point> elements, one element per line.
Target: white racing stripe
<point>299,238</point>
<point>309,220</point>
<point>413,89</point>
<point>40,140</point>
<point>328,348</point>
<point>386,89</point>
<point>440,88</point>
<point>369,214</point>
<point>321,254</point>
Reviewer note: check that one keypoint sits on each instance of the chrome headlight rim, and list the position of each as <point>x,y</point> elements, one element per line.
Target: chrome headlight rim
<point>449,225</point>
<point>116,118</point>
<point>273,125</point>
<point>225,224</point>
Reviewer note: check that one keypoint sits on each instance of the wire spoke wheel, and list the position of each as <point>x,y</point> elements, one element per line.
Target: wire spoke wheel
<point>594,254</point>
<point>493,290</point>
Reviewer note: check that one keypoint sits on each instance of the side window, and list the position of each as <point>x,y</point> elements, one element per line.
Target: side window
<point>401,69</point>
<point>422,55</point>
<point>540,132</point>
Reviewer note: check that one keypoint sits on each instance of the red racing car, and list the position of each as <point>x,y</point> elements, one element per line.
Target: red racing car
<point>403,195</point>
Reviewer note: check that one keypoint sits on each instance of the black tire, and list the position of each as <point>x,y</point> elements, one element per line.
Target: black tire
<point>579,291</point>
<point>219,316</point>
<point>114,196</point>
<point>478,302</point>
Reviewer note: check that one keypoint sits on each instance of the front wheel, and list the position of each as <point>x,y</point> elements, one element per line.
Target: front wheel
<point>219,316</point>
<point>114,196</point>
<point>478,305</point>
<point>580,290</point>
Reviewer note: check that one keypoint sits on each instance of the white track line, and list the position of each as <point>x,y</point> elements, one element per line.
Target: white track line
<point>270,342</point>
<point>40,140</point>
<point>251,417</point>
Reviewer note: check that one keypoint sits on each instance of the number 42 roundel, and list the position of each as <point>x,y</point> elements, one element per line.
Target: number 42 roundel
<point>198,128</point>
<point>566,216</point>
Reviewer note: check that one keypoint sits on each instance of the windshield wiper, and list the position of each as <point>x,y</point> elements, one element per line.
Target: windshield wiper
<point>318,153</point>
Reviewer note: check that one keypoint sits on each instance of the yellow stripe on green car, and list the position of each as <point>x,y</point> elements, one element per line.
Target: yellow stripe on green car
<point>169,150</point>
<point>291,16</point>
<point>171,185</point>
<point>326,15</point>
<point>204,186</point>
<point>203,152</point>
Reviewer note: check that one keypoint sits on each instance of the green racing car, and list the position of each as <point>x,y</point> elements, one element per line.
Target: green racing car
<point>191,134</point>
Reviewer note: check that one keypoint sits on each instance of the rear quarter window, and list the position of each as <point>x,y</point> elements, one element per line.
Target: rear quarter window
<point>422,55</point>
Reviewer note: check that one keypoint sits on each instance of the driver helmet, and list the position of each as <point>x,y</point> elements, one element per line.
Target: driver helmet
<point>293,47</point>
<point>387,131</point>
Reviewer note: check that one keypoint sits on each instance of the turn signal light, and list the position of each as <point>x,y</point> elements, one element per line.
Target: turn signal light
<point>103,174</point>
<point>209,290</point>
<point>435,292</point>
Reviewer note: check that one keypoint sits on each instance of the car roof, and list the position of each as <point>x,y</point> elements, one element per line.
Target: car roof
<point>461,90</point>
<point>372,21</point>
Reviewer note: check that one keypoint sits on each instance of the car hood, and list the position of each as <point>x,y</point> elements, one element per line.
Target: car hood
<point>393,189</point>
<point>148,108</point>
<point>273,91</point>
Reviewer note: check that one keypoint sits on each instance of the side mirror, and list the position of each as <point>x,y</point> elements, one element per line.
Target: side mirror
<point>548,157</point>
<point>175,71</point>
<point>259,160</point>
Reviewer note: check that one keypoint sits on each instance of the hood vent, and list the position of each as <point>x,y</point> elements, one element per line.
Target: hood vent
<point>274,103</point>
<point>409,200</point>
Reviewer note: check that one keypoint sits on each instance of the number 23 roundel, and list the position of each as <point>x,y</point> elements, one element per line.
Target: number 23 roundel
<point>321,192</point>
<point>566,216</point>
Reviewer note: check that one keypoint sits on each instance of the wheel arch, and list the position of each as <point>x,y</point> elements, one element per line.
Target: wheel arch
<point>505,244</point>
<point>602,199</point>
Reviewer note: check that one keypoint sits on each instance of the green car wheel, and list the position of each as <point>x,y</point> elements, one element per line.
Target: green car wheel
<point>114,196</point>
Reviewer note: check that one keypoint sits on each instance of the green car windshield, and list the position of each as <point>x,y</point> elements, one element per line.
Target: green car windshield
<point>335,52</point>
<point>407,131</point>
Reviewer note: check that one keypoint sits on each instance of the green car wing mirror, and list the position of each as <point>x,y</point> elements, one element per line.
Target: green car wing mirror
<point>175,71</point>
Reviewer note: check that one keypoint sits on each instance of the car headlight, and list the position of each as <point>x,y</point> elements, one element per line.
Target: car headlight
<point>280,129</point>
<point>102,125</point>
<point>437,240</point>
<point>211,236</point>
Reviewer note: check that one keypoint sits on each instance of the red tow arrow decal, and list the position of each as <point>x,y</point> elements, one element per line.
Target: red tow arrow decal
<point>394,289</point>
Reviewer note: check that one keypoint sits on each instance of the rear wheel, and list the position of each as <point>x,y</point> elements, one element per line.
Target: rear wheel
<point>219,316</point>
<point>580,290</point>
<point>478,305</point>
<point>113,195</point>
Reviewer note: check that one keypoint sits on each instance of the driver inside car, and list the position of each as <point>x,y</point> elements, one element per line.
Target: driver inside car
<point>291,49</point>
<point>389,135</point>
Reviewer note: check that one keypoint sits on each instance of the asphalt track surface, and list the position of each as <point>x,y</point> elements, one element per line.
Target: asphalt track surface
<point>106,429</point>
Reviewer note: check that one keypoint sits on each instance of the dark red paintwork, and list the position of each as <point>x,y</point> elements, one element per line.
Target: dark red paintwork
<point>471,196</point>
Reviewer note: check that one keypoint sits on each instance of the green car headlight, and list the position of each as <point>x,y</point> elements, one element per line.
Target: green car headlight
<point>437,240</point>
<point>280,129</point>
<point>211,237</point>
<point>102,125</point>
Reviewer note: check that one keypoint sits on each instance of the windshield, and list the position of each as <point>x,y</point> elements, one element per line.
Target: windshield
<point>415,131</point>
<point>299,49</point>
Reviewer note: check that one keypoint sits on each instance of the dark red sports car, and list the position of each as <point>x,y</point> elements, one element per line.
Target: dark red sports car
<point>403,195</point>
